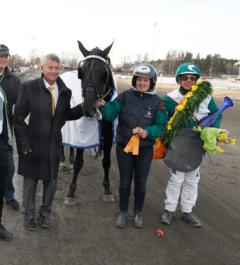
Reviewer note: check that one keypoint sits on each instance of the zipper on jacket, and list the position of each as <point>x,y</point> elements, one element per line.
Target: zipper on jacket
<point>139,109</point>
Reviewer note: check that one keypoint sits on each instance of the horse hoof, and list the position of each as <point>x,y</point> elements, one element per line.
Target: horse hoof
<point>70,201</point>
<point>108,198</point>
<point>62,165</point>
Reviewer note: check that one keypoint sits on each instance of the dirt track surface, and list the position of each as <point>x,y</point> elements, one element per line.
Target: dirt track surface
<point>85,233</point>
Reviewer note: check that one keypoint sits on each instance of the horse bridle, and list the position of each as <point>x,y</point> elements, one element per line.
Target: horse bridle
<point>99,94</point>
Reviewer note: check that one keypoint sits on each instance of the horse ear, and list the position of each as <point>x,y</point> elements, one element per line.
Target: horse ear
<point>83,50</point>
<point>107,50</point>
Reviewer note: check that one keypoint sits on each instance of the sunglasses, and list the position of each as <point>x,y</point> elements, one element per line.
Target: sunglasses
<point>191,77</point>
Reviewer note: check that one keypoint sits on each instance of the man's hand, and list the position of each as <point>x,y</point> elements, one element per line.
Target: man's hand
<point>101,103</point>
<point>26,152</point>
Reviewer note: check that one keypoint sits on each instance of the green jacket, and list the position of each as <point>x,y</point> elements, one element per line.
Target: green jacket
<point>137,114</point>
<point>170,106</point>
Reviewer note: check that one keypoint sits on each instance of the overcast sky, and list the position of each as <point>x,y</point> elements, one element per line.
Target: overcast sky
<point>150,27</point>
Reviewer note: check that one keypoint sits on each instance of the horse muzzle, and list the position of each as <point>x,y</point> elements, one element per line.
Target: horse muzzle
<point>89,109</point>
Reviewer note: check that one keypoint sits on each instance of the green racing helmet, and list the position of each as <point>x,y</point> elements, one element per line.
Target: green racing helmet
<point>187,68</point>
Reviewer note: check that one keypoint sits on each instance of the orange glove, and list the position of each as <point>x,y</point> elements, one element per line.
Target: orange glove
<point>160,150</point>
<point>133,145</point>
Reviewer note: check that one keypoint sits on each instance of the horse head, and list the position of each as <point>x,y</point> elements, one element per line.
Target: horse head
<point>96,76</point>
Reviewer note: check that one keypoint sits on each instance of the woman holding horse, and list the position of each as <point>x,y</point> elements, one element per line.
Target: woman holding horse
<point>140,112</point>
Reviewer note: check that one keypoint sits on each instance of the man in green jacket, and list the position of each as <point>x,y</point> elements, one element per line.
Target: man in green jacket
<point>185,184</point>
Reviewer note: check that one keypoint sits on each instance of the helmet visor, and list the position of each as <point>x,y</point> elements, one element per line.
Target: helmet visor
<point>186,77</point>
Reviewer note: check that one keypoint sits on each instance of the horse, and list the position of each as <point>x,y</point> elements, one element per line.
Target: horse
<point>95,80</point>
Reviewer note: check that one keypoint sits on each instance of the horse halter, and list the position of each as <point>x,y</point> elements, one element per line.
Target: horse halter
<point>91,72</point>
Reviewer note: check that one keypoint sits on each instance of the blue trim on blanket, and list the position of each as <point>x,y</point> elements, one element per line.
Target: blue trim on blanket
<point>81,147</point>
<point>113,131</point>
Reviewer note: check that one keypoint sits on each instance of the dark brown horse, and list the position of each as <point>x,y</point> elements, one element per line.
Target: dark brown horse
<point>97,83</point>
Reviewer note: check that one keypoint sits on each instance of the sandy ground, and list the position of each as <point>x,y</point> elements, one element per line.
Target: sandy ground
<point>85,233</point>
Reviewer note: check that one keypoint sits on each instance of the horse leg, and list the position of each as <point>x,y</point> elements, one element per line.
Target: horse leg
<point>106,161</point>
<point>78,164</point>
<point>71,157</point>
<point>62,158</point>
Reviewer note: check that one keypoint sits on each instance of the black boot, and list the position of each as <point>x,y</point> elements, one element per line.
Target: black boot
<point>122,219</point>
<point>167,217</point>
<point>30,224</point>
<point>5,234</point>
<point>43,221</point>
<point>191,219</point>
<point>13,204</point>
<point>138,220</point>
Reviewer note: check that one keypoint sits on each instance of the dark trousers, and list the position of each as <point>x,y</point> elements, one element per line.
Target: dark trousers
<point>29,196</point>
<point>2,173</point>
<point>133,166</point>
<point>10,170</point>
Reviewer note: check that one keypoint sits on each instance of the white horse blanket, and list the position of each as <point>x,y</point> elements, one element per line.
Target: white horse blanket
<point>84,132</point>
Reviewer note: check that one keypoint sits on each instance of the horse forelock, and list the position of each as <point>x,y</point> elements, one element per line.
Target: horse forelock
<point>97,51</point>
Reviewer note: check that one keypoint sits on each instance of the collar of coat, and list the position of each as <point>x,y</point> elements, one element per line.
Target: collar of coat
<point>7,72</point>
<point>61,85</point>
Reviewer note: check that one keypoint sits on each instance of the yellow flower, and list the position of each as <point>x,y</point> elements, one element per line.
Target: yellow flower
<point>169,127</point>
<point>179,107</point>
<point>200,82</point>
<point>171,120</point>
<point>233,141</point>
<point>184,102</point>
<point>194,88</point>
<point>223,136</point>
<point>189,94</point>
<point>221,150</point>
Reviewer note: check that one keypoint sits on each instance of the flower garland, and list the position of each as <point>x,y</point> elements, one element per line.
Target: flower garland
<point>185,109</point>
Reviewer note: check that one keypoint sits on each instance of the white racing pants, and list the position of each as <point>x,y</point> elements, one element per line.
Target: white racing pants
<point>184,184</point>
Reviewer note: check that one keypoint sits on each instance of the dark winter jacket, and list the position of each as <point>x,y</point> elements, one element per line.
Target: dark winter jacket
<point>135,109</point>
<point>10,85</point>
<point>42,132</point>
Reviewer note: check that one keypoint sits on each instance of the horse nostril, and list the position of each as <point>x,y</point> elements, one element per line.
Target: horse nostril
<point>89,113</point>
<point>89,110</point>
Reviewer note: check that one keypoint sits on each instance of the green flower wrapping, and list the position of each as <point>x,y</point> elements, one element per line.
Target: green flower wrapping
<point>184,111</point>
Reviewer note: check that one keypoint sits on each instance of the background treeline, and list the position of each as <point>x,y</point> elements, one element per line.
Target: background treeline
<point>211,65</point>
<point>17,61</point>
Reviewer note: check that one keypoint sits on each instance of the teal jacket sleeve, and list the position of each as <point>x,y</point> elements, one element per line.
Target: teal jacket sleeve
<point>161,119</point>
<point>170,105</point>
<point>212,106</point>
<point>111,109</point>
